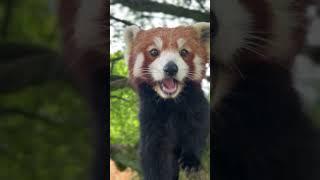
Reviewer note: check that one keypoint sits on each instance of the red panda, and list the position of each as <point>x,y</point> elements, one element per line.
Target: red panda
<point>166,67</point>
<point>260,128</point>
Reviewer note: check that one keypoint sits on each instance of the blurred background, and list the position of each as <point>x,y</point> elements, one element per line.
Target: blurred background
<point>147,14</point>
<point>124,125</point>
<point>44,133</point>
<point>307,67</point>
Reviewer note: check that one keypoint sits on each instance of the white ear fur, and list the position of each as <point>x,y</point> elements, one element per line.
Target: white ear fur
<point>130,35</point>
<point>203,30</point>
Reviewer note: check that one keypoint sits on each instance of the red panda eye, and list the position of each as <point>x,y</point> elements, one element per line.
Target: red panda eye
<point>184,53</point>
<point>154,52</point>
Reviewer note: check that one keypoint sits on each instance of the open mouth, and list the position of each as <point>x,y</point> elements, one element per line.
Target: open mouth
<point>169,86</point>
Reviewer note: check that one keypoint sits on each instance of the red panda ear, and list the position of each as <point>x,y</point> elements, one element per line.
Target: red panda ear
<point>129,36</point>
<point>203,30</point>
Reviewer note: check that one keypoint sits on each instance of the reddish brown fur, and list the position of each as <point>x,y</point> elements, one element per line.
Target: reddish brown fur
<point>169,37</point>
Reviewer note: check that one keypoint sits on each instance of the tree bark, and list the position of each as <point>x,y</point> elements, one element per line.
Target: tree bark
<point>152,6</point>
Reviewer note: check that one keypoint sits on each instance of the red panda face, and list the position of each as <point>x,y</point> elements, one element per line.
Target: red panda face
<point>166,58</point>
<point>263,29</point>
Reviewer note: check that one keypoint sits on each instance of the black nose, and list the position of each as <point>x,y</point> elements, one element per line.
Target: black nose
<point>170,69</point>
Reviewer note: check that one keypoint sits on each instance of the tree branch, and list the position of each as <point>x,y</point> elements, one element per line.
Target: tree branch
<point>152,6</point>
<point>114,61</point>
<point>119,84</point>
<point>120,98</point>
<point>10,111</point>
<point>11,51</point>
<point>128,23</point>
<point>29,71</point>
<point>200,3</point>
<point>24,65</point>
<point>116,77</point>
<point>4,111</point>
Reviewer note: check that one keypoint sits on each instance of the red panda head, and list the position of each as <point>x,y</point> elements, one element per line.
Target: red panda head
<point>262,29</point>
<point>166,58</point>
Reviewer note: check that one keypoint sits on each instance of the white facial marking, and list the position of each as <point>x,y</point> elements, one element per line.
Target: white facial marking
<point>156,67</point>
<point>181,43</point>
<point>233,28</point>
<point>151,47</point>
<point>158,42</point>
<point>198,68</point>
<point>137,71</point>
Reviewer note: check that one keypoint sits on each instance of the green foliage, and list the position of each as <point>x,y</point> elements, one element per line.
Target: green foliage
<point>43,129</point>
<point>124,124</point>
<point>123,117</point>
<point>123,108</point>
<point>43,134</point>
<point>33,21</point>
<point>118,65</point>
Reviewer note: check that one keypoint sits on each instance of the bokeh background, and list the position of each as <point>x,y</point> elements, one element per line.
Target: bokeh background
<point>124,125</point>
<point>44,133</point>
<point>147,14</point>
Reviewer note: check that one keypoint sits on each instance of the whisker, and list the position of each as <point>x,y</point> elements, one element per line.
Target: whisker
<point>259,32</point>
<point>253,50</point>
<point>254,45</point>
<point>234,65</point>
<point>259,38</point>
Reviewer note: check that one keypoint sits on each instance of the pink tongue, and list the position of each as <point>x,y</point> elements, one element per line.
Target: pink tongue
<point>169,84</point>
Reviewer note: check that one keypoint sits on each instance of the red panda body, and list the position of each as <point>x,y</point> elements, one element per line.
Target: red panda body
<point>166,67</point>
<point>260,128</point>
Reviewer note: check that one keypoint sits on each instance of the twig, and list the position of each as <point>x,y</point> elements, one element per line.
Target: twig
<point>120,98</point>
<point>128,23</point>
